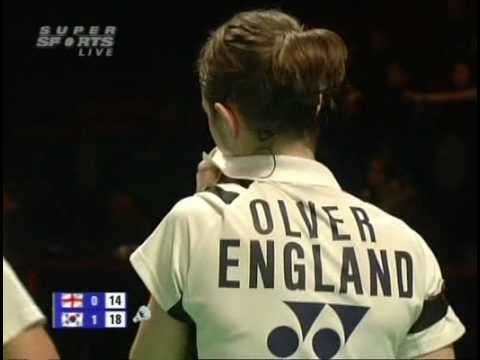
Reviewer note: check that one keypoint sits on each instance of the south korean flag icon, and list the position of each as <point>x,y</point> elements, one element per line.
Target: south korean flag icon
<point>72,319</point>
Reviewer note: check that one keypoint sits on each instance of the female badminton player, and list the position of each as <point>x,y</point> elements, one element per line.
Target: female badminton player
<point>24,334</point>
<point>271,259</point>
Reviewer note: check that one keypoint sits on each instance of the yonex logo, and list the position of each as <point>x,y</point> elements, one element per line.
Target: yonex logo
<point>283,341</point>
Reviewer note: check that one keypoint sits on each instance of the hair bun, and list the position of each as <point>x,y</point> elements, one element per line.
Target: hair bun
<point>310,61</point>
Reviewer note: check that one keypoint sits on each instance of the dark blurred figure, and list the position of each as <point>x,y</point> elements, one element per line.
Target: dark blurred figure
<point>126,226</point>
<point>400,200</point>
<point>462,77</point>
<point>10,205</point>
<point>389,114</point>
<point>454,127</point>
<point>394,190</point>
<point>346,133</point>
<point>456,150</point>
<point>379,174</point>
<point>459,27</point>
<point>10,222</point>
<point>452,113</point>
<point>18,246</point>
<point>392,102</point>
<point>462,89</point>
<point>397,78</point>
<point>369,52</point>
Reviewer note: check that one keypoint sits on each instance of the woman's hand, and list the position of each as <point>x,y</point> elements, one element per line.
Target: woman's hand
<point>207,174</point>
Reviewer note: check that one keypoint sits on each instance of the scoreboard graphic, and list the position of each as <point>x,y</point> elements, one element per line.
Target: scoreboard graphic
<point>89,310</point>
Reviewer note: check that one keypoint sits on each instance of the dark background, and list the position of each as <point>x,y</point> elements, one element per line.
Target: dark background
<point>98,149</point>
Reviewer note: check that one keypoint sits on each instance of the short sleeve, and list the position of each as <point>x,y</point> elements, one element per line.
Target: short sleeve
<point>437,325</point>
<point>162,260</point>
<point>19,309</point>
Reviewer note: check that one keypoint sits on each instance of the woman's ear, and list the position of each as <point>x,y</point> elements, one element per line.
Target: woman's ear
<point>231,119</point>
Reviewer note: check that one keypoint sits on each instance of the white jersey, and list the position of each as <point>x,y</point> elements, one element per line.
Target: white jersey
<point>19,310</point>
<point>291,266</point>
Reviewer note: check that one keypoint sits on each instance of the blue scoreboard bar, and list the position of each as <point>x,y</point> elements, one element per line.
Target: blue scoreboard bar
<point>89,310</point>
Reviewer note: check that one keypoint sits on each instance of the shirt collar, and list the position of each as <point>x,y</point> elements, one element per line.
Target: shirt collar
<point>288,169</point>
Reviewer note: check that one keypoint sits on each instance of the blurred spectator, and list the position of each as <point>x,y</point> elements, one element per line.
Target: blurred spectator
<point>11,226</point>
<point>463,88</point>
<point>397,77</point>
<point>450,166</point>
<point>21,241</point>
<point>126,226</point>
<point>454,128</point>
<point>458,28</point>
<point>389,105</point>
<point>379,174</point>
<point>400,199</point>
<point>394,191</point>
<point>352,103</point>
<point>462,77</point>
<point>10,205</point>
<point>389,117</point>
<point>450,116</point>
<point>380,43</point>
<point>343,136</point>
<point>86,163</point>
<point>377,52</point>
<point>456,10</point>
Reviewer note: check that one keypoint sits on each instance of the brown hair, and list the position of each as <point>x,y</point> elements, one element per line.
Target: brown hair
<point>273,70</point>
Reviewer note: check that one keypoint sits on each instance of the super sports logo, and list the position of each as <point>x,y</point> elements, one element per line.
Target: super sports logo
<point>88,41</point>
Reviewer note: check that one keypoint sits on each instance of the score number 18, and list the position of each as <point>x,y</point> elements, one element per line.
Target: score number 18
<point>109,301</point>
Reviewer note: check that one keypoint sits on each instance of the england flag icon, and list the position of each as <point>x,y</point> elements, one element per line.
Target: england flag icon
<point>72,319</point>
<point>72,300</point>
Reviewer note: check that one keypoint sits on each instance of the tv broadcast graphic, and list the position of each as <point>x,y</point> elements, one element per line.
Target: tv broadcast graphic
<point>240,180</point>
<point>89,310</point>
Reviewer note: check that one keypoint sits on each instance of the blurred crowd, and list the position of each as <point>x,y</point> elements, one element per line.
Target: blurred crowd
<point>406,136</point>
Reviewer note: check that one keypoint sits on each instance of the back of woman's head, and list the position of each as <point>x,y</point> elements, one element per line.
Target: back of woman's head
<point>273,70</point>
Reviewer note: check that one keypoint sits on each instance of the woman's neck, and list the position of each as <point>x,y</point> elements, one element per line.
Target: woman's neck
<point>286,146</point>
<point>293,148</point>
